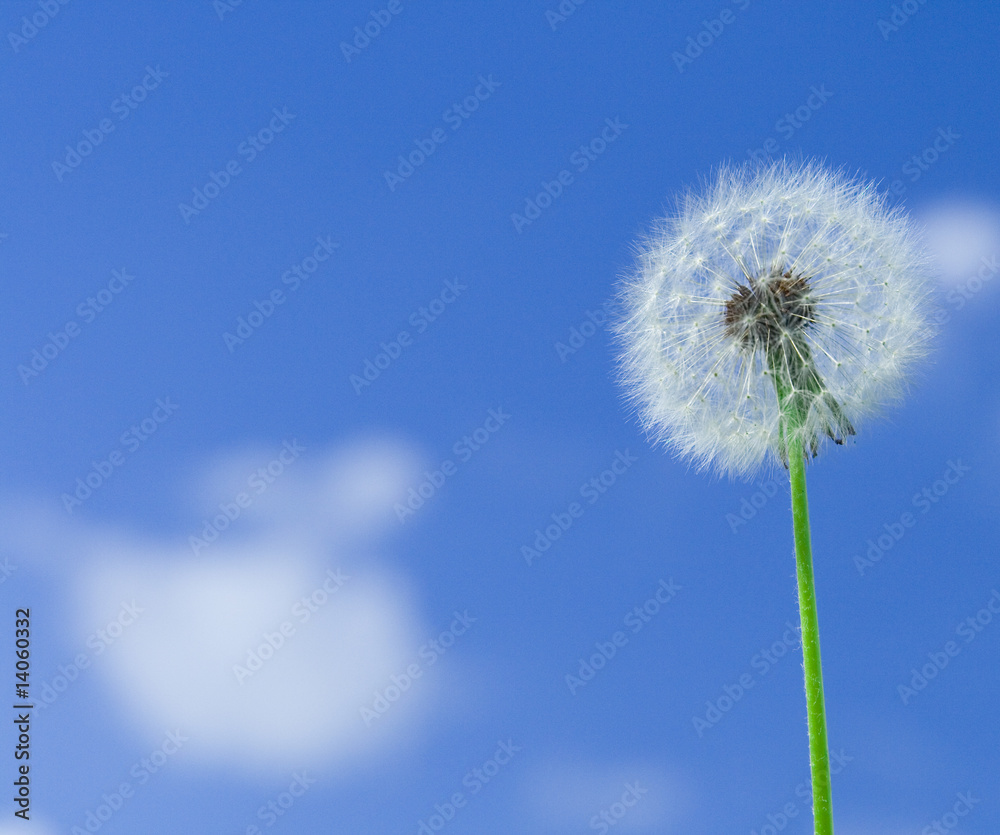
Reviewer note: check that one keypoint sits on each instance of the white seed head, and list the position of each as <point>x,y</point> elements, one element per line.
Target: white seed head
<point>786,270</point>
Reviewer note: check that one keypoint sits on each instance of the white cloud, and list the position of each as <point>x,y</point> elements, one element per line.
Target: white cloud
<point>171,666</point>
<point>30,827</point>
<point>206,655</point>
<point>567,796</point>
<point>960,234</point>
<point>329,495</point>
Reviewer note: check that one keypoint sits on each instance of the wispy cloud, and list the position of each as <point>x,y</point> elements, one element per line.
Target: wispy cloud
<point>960,234</point>
<point>567,795</point>
<point>263,647</point>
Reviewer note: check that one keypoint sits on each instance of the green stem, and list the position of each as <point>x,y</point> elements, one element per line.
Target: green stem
<point>819,756</point>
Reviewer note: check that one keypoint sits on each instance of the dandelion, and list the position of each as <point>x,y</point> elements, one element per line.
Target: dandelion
<point>782,288</point>
<point>775,312</point>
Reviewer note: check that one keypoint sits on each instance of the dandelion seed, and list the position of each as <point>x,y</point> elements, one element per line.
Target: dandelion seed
<point>784,276</point>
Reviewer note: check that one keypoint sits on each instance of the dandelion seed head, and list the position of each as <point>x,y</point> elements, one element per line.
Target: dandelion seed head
<point>787,271</point>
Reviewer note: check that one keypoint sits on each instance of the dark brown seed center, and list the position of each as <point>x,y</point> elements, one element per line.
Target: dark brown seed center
<point>773,306</point>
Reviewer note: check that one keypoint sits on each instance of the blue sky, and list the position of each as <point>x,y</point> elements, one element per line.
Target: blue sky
<point>273,283</point>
